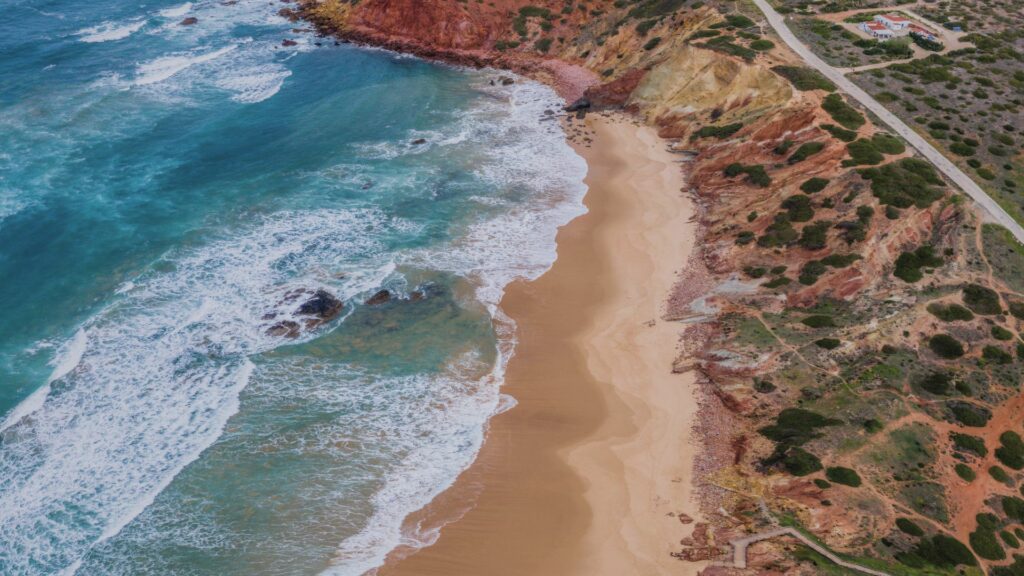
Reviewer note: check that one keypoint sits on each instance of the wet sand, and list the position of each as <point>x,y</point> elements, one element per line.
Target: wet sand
<point>588,473</point>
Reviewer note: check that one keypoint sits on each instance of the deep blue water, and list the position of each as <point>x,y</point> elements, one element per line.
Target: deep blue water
<point>168,193</point>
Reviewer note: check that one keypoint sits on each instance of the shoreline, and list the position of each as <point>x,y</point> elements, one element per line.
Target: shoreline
<point>591,471</point>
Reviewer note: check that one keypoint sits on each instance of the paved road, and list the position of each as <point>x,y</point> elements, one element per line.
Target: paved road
<point>739,550</point>
<point>957,176</point>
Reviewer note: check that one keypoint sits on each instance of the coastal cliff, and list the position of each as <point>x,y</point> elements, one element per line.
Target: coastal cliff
<point>854,324</point>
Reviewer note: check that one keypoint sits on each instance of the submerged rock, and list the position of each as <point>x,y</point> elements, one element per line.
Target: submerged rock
<point>381,297</point>
<point>419,141</point>
<point>287,42</point>
<point>286,328</point>
<point>189,21</point>
<point>505,81</point>
<point>323,305</point>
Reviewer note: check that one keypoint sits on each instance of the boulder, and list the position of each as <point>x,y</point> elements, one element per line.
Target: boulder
<point>419,141</point>
<point>578,105</point>
<point>189,21</point>
<point>381,297</point>
<point>287,42</point>
<point>286,328</point>
<point>505,81</point>
<point>322,305</point>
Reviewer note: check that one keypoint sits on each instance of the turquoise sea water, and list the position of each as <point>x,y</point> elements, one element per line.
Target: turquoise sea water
<point>163,189</point>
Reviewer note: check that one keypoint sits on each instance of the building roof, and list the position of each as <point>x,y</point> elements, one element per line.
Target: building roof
<point>876,26</point>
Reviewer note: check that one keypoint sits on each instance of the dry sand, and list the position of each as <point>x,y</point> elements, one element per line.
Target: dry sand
<point>588,473</point>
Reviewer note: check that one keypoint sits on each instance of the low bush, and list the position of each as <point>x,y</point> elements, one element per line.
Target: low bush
<point>762,45</point>
<point>984,543</point>
<point>1000,333</point>
<point>804,79</point>
<point>888,144</point>
<point>800,462</point>
<point>796,426</point>
<point>996,355</point>
<point>907,526</point>
<point>938,383</point>
<point>805,151</point>
<point>755,173</point>
<point>814,185</point>
<point>905,183</point>
<point>950,312</point>
<point>982,300</point>
<point>779,233</point>
<point>967,443</point>
<point>1011,453</point>
<point>819,321</point>
<point>942,551</point>
<point>1013,507</point>
<point>946,346</point>
<point>969,414</point>
<point>909,264</point>
<point>964,471</point>
<point>828,343</point>
<point>842,113</point>
<point>840,133</point>
<point>862,152</point>
<point>815,236</point>
<point>844,476</point>
<point>799,208</point>
<point>718,131</point>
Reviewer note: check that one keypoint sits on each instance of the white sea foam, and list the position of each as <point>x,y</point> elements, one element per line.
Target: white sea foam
<point>521,152</point>
<point>176,11</point>
<point>255,85</point>
<point>164,67</point>
<point>109,31</point>
<point>150,381</point>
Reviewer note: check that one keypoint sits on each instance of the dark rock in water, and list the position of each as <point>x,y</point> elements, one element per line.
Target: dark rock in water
<point>318,43</point>
<point>287,42</point>
<point>286,328</point>
<point>368,185</point>
<point>323,305</point>
<point>581,104</point>
<point>419,141</point>
<point>549,112</point>
<point>189,21</point>
<point>416,296</point>
<point>381,297</point>
<point>505,81</point>
<point>288,13</point>
<point>581,114</point>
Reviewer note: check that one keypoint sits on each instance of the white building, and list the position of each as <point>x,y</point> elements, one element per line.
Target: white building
<point>893,22</point>
<point>877,30</point>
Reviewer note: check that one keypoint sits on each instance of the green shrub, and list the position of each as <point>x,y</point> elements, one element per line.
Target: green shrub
<point>999,475</point>
<point>1000,333</point>
<point>823,484</point>
<point>762,45</point>
<point>777,282</point>
<point>938,383</point>
<point>842,112</point>
<point>814,185</point>
<point>799,208</point>
<point>964,471</point>
<point>842,475</point>
<point>796,426</point>
<point>905,183</point>
<point>725,45</point>
<point>815,236</point>
<point>909,264</point>
<point>944,551</point>
<point>819,321</point>
<point>718,131</point>
<point>888,144</point>
<point>800,462</point>
<point>969,414</point>
<point>779,233</point>
<point>1009,539</point>
<point>946,346</point>
<point>996,355</point>
<point>862,152</point>
<point>981,300</point>
<point>984,543</point>
<point>542,45</point>
<point>968,443</point>
<point>840,133</point>
<point>652,43</point>
<point>950,312</point>
<point>805,151</point>
<point>804,79</point>
<point>828,343</point>
<point>1011,453</point>
<point>1016,308</point>
<point>907,526</point>
<point>755,173</point>
<point>1013,507</point>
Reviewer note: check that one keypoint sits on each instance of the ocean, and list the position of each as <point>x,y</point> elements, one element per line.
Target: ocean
<point>169,194</point>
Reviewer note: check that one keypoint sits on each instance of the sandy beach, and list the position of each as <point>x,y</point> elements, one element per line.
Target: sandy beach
<point>590,472</point>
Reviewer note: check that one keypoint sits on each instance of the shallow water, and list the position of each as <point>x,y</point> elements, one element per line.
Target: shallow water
<point>162,190</point>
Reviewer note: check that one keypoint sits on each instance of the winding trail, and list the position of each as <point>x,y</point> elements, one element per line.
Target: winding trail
<point>739,550</point>
<point>957,176</point>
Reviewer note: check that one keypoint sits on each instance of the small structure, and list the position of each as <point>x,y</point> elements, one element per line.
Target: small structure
<point>877,30</point>
<point>923,32</point>
<point>893,22</point>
